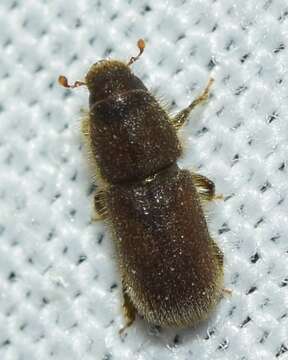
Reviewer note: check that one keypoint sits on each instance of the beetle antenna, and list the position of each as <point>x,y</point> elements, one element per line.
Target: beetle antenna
<point>141,47</point>
<point>63,81</point>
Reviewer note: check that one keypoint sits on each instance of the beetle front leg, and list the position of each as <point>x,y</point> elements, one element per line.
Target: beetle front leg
<point>179,120</point>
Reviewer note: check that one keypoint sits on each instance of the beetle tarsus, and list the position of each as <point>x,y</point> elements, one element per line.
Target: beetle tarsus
<point>179,120</point>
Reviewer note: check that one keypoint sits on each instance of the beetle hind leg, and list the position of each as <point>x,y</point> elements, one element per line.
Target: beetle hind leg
<point>129,311</point>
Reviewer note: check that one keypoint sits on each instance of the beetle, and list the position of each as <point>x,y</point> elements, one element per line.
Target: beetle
<point>171,268</point>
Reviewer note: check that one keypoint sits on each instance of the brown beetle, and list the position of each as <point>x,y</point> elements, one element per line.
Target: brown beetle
<point>171,268</point>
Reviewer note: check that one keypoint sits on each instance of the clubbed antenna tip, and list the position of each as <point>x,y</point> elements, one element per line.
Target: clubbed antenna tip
<point>63,81</point>
<point>141,47</point>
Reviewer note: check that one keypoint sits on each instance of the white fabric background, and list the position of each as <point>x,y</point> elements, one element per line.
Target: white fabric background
<point>60,295</point>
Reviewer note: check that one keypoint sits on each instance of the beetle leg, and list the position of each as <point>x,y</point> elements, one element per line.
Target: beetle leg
<point>100,208</point>
<point>226,293</point>
<point>220,256</point>
<point>85,126</point>
<point>205,187</point>
<point>218,253</point>
<point>179,120</point>
<point>129,311</point>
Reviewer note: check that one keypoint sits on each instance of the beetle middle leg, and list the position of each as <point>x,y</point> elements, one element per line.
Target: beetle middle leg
<point>219,254</point>
<point>179,120</point>
<point>100,207</point>
<point>205,187</point>
<point>129,311</point>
